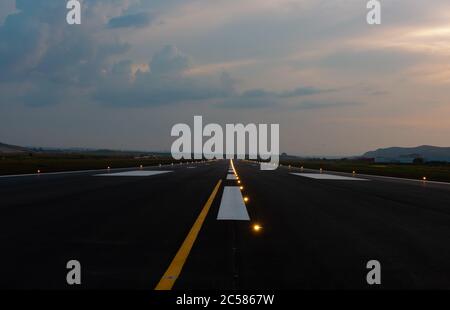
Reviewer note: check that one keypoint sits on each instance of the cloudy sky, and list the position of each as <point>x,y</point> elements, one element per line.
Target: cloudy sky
<point>134,68</point>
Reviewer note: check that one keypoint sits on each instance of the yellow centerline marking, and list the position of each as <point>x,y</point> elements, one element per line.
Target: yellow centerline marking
<point>232,166</point>
<point>173,272</point>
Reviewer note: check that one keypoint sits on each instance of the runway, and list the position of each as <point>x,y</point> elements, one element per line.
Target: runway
<point>127,228</point>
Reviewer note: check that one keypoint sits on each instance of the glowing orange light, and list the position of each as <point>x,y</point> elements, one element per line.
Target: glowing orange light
<point>257,227</point>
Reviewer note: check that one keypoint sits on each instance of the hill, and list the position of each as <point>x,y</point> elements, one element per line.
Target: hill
<point>12,149</point>
<point>427,152</point>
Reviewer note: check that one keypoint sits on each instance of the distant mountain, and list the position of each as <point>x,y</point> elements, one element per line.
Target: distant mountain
<point>12,149</point>
<point>7,149</point>
<point>427,152</point>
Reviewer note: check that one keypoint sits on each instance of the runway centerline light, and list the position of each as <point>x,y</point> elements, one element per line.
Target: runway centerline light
<point>257,227</point>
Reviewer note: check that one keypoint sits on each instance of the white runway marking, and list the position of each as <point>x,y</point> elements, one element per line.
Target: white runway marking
<point>267,167</point>
<point>191,167</point>
<point>231,177</point>
<point>232,206</point>
<point>138,173</point>
<point>321,176</point>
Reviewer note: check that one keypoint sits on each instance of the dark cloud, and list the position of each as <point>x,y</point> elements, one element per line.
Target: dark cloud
<point>257,98</point>
<point>169,61</point>
<point>138,20</point>
<point>6,8</point>
<point>320,104</point>
<point>260,98</point>
<point>40,51</point>
<point>163,84</point>
<point>150,91</point>
<point>261,101</point>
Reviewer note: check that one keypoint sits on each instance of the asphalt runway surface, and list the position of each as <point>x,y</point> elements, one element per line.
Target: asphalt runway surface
<point>126,230</point>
